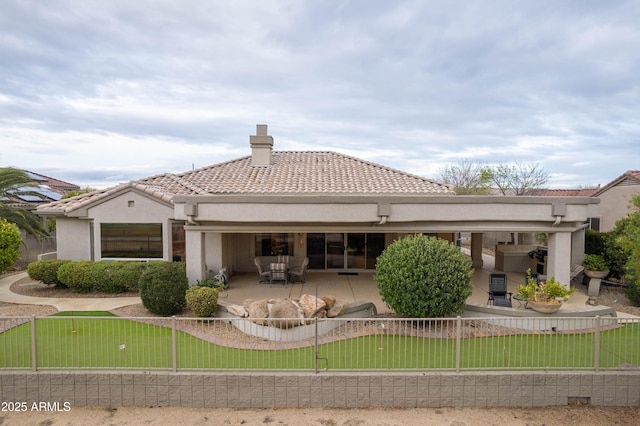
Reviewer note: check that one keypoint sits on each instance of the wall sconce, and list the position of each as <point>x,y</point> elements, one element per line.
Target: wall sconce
<point>301,239</point>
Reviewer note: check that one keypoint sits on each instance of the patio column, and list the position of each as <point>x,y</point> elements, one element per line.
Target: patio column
<point>577,247</point>
<point>559,257</point>
<point>195,255</point>
<point>476,250</point>
<point>213,251</point>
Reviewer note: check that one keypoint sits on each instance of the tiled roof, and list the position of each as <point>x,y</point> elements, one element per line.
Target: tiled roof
<point>290,173</point>
<point>57,185</point>
<point>630,177</point>
<point>582,192</point>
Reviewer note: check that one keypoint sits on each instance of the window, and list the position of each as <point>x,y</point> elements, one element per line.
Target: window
<point>272,244</point>
<point>594,223</point>
<point>178,242</point>
<point>131,240</point>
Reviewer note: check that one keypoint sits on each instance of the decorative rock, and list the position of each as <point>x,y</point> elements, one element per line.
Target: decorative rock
<point>311,305</point>
<point>336,309</point>
<point>258,309</point>
<point>237,310</point>
<point>286,308</point>
<point>329,300</point>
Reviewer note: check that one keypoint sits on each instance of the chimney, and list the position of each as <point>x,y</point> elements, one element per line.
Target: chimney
<point>261,147</point>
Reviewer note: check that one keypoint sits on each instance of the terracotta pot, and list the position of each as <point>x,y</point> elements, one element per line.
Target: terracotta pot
<point>596,274</point>
<point>544,308</point>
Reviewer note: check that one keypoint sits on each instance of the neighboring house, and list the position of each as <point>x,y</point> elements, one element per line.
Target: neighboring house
<point>615,198</point>
<point>43,190</point>
<point>338,210</point>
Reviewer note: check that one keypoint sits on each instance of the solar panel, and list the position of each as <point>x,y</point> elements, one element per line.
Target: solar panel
<point>35,177</point>
<point>48,193</point>
<point>44,191</point>
<point>29,198</point>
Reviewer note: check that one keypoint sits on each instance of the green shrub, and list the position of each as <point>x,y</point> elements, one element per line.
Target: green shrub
<point>46,271</point>
<point>593,242</point>
<point>163,286</point>
<point>633,291</point>
<point>203,301</point>
<point>117,276</point>
<point>421,276</point>
<point>10,241</point>
<point>77,276</point>
<point>615,254</point>
<point>130,273</point>
<point>594,262</point>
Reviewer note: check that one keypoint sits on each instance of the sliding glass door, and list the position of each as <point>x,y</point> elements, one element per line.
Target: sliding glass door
<point>344,251</point>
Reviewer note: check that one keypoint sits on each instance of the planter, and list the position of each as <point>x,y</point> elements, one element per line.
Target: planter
<point>596,274</point>
<point>595,277</point>
<point>544,308</point>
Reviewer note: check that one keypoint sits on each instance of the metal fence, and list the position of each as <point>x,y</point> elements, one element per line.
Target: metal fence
<point>371,344</point>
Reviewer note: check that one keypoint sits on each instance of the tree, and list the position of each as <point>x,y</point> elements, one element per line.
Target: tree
<point>466,177</point>
<point>629,240</point>
<point>518,178</point>
<point>9,244</point>
<point>11,180</point>
<point>470,177</point>
<point>420,276</point>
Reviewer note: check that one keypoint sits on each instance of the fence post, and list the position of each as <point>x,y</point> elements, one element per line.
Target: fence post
<point>458,341</point>
<point>34,347</point>
<point>596,343</point>
<point>174,356</point>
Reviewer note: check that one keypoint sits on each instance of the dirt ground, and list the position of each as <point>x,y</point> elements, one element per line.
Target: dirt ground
<point>565,416</point>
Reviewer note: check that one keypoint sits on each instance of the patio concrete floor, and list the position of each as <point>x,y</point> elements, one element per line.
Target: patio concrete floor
<point>362,287</point>
<point>350,288</point>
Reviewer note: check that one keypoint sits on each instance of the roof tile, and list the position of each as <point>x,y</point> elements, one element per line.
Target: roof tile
<point>290,173</point>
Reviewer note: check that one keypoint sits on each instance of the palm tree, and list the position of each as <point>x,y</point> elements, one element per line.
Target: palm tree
<point>11,180</point>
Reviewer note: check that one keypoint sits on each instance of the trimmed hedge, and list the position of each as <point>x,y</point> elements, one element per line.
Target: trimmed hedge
<point>421,276</point>
<point>203,301</point>
<point>46,271</point>
<point>117,276</point>
<point>163,287</point>
<point>106,277</point>
<point>77,276</point>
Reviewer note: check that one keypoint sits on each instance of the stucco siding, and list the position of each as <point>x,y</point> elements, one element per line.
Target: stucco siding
<point>263,212</point>
<point>132,207</point>
<point>614,205</point>
<point>73,239</point>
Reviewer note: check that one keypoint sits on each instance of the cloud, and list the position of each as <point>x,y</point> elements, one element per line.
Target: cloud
<point>409,84</point>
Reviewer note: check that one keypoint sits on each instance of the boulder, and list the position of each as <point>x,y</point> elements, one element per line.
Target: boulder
<point>286,308</point>
<point>311,305</point>
<point>329,301</point>
<point>258,309</point>
<point>237,310</point>
<point>336,309</point>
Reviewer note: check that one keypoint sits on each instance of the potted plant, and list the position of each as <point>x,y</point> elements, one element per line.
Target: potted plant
<point>546,297</point>
<point>595,266</point>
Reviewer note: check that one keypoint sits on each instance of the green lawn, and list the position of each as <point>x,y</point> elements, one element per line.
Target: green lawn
<point>82,342</point>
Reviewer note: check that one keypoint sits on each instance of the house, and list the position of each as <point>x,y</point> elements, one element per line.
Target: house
<point>615,198</point>
<point>42,190</point>
<point>337,210</point>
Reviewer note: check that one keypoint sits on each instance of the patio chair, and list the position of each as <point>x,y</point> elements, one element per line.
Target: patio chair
<point>264,275</point>
<point>298,275</point>
<point>498,294</point>
<point>576,270</point>
<point>279,273</point>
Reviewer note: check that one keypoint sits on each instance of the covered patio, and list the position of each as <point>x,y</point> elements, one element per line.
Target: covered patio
<point>353,287</point>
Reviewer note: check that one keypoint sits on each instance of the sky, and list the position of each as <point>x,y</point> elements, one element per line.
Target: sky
<point>98,93</point>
